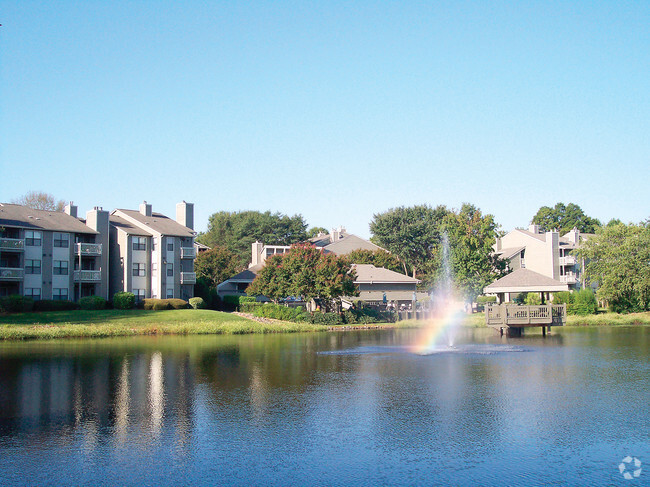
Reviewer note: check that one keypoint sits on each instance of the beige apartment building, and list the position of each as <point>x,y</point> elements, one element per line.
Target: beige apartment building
<point>57,255</point>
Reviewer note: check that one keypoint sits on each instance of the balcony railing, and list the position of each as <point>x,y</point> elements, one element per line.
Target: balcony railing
<point>569,279</point>
<point>188,278</point>
<point>12,244</point>
<point>11,273</point>
<point>88,249</point>
<point>87,276</point>
<point>568,260</point>
<point>188,253</point>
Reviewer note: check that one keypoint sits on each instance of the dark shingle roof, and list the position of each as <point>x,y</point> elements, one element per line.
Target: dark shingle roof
<point>29,218</point>
<point>159,223</point>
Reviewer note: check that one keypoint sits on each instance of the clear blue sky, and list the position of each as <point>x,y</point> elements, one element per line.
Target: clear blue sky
<point>334,110</point>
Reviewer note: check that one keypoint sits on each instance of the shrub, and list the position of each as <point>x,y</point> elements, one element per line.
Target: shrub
<point>230,303</point>
<point>197,303</point>
<point>249,307</point>
<point>123,300</point>
<point>486,299</point>
<point>161,304</point>
<point>584,303</point>
<point>54,305</point>
<point>533,299</point>
<point>563,297</point>
<point>92,302</point>
<point>246,299</point>
<point>279,312</point>
<point>16,303</point>
<point>176,303</point>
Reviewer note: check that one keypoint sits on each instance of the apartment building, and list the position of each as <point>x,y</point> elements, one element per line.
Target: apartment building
<point>546,253</point>
<point>53,255</point>
<point>57,255</point>
<point>152,255</point>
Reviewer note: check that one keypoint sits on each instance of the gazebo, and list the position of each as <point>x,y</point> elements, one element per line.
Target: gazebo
<point>524,281</point>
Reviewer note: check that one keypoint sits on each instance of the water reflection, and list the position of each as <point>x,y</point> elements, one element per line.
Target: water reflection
<point>159,406</point>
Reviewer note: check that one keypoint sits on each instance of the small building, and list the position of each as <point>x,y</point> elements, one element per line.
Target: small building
<point>524,281</point>
<point>379,286</point>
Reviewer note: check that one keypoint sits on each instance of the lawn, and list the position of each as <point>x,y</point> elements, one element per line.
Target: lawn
<point>106,323</point>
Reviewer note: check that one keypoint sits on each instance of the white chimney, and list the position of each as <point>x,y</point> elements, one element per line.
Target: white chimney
<point>145,209</point>
<point>256,253</point>
<point>533,228</point>
<point>185,214</point>
<point>71,209</point>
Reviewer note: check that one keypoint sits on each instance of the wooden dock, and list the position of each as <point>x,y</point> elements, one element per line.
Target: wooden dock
<point>511,319</point>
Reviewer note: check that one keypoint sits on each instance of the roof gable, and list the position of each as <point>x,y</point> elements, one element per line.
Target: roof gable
<point>24,217</point>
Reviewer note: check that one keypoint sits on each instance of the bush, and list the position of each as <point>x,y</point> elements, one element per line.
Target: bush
<point>249,307</point>
<point>92,302</point>
<point>584,303</point>
<point>123,300</point>
<point>533,299</point>
<point>197,303</point>
<point>247,299</point>
<point>16,303</point>
<point>161,304</point>
<point>279,312</point>
<point>54,305</point>
<point>486,299</point>
<point>230,303</point>
<point>563,297</point>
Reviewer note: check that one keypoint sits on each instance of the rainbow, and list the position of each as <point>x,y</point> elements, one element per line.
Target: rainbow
<point>439,329</point>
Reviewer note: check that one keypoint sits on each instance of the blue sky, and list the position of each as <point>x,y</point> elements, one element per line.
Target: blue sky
<point>334,110</point>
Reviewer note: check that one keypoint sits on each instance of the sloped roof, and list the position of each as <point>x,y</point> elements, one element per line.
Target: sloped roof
<point>368,273</point>
<point>390,296</point>
<point>158,223</point>
<point>349,244</point>
<point>538,236</point>
<point>29,218</point>
<point>509,252</point>
<point>525,280</point>
<point>323,240</point>
<point>128,227</point>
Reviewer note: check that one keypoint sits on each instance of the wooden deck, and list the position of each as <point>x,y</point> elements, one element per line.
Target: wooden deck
<point>510,318</point>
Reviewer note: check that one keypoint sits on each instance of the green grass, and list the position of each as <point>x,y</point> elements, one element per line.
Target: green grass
<point>110,323</point>
<point>609,319</point>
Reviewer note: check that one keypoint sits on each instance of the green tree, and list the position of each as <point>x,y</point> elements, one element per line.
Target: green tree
<point>216,265</point>
<point>471,237</point>
<point>236,231</point>
<point>564,219</point>
<point>40,200</point>
<point>411,233</point>
<point>618,259</point>
<point>378,258</point>
<point>314,231</point>
<point>307,272</point>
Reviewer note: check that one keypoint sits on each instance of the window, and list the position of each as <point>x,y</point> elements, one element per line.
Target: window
<point>139,294</point>
<point>60,294</point>
<point>33,238</point>
<point>32,266</point>
<point>33,292</point>
<point>170,294</point>
<point>139,270</point>
<point>170,270</point>
<point>170,247</point>
<point>139,243</point>
<point>60,268</point>
<point>62,240</point>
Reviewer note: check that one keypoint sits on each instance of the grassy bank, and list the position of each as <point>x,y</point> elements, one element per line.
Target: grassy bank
<point>609,319</point>
<point>110,323</point>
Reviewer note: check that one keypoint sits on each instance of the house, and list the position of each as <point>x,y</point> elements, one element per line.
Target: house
<point>53,255</point>
<point>546,257</point>
<point>152,255</point>
<point>378,286</point>
<point>57,255</point>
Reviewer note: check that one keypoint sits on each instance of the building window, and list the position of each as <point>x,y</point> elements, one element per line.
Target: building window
<point>62,240</point>
<point>170,247</point>
<point>170,270</point>
<point>33,292</point>
<point>32,266</point>
<point>170,294</point>
<point>33,238</point>
<point>140,294</point>
<point>139,243</point>
<point>60,268</point>
<point>139,270</point>
<point>60,294</point>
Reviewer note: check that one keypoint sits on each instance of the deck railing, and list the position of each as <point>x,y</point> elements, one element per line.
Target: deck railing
<point>531,315</point>
<point>12,244</point>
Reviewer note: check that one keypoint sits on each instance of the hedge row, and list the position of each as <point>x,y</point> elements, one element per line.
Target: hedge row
<point>161,304</point>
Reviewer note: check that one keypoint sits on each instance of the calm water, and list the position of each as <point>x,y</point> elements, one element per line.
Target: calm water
<point>348,408</point>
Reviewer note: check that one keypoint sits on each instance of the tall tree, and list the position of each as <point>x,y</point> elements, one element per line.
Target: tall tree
<point>473,263</point>
<point>216,265</point>
<point>618,259</point>
<point>564,218</point>
<point>307,272</point>
<point>314,231</point>
<point>236,231</point>
<point>40,201</point>
<point>411,233</point>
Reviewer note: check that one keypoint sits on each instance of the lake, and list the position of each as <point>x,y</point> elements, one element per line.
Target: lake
<point>340,408</point>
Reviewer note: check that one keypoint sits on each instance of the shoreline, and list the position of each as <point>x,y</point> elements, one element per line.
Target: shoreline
<point>118,323</point>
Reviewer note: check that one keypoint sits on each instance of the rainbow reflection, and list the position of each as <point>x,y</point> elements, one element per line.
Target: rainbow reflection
<point>440,328</point>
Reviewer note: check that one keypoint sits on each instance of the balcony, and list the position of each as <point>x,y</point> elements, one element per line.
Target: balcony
<point>87,276</point>
<point>188,277</point>
<point>12,244</point>
<point>11,274</point>
<point>89,249</point>
<point>188,253</point>
<point>569,279</point>
<point>568,260</point>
